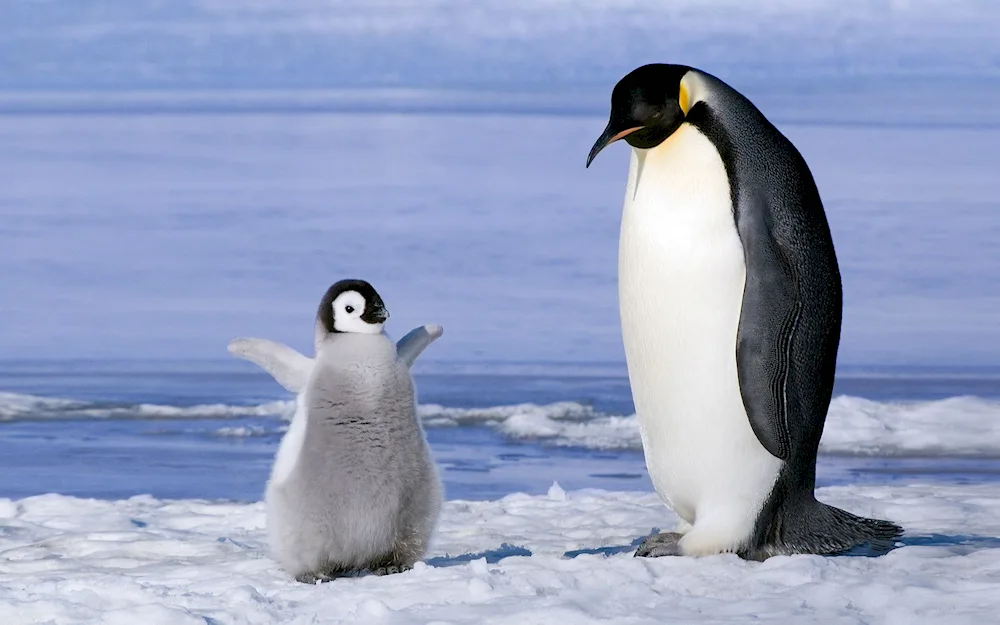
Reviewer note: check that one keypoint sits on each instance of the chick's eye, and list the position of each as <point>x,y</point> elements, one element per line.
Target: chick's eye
<point>349,309</point>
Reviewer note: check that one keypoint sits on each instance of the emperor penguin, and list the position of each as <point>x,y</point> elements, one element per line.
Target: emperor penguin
<point>353,488</point>
<point>730,301</point>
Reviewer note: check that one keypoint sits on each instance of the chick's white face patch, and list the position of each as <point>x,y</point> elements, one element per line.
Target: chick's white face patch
<point>347,310</point>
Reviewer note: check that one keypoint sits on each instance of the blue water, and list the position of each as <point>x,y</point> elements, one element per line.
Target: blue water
<point>185,458</point>
<point>157,238</point>
<point>152,236</point>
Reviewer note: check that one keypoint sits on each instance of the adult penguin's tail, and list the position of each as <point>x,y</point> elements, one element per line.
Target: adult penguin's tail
<point>813,527</point>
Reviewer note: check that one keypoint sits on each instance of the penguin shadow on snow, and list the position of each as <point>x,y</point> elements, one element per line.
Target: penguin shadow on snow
<point>506,550</point>
<point>492,556</point>
<point>959,545</point>
<point>610,550</point>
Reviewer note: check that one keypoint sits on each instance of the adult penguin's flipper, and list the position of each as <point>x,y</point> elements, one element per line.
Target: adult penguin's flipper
<point>413,344</point>
<point>789,328</point>
<point>290,368</point>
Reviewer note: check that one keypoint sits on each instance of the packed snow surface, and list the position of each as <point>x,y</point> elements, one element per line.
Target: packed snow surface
<point>561,558</point>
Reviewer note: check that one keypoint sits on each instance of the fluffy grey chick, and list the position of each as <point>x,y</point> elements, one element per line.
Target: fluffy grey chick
<point>353,487</point>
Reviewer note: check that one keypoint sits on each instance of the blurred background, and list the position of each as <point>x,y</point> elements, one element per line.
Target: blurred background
<point>174,174</point>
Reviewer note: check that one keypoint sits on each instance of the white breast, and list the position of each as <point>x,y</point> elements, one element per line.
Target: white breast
<point>291,444</point>
<point>681,277</point>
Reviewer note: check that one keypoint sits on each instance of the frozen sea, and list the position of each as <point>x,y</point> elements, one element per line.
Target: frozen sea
<point>137,242</point>
<point>173,175</point>
<point>134,452</point>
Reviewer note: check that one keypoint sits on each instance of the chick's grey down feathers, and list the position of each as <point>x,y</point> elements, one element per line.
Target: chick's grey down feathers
<point>363,493</point>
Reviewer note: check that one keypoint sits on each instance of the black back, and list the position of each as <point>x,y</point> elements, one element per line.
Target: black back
<point>792,304</point>
<point>790,320</point>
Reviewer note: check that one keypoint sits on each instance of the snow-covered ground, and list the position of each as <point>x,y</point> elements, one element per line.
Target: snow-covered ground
<point>142,560</point>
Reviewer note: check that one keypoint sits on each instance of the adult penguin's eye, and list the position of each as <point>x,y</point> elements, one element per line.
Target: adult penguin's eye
<point>349,309</point>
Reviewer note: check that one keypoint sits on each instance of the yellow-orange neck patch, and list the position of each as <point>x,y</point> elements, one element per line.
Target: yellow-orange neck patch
<point>684,98</point>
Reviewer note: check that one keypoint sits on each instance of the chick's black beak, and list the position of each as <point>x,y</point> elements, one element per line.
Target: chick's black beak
<point>609,136</point>
<point>376,314</point>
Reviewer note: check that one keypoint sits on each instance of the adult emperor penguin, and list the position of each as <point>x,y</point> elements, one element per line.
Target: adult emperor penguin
<point>730,302</point>
<point>353,487</point>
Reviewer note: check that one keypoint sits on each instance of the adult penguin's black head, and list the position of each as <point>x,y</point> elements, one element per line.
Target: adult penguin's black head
<point>647,106</point>
<point>352,306</point>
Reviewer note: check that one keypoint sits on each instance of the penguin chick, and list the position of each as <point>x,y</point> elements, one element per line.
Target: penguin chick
<point>353,488</point>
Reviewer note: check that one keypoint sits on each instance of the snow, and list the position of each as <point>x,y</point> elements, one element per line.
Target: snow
<point>141,560</point>
<point>19,406</point>
<point>957,426</point>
